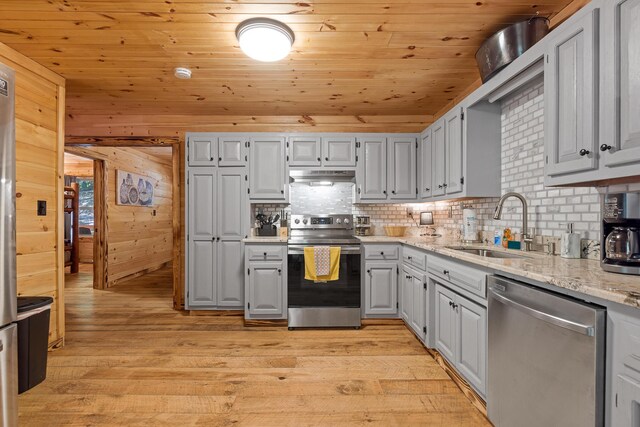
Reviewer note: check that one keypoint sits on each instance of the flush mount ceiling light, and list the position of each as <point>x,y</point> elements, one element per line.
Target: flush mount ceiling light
<point>182,73</point>
<point>265,39</point>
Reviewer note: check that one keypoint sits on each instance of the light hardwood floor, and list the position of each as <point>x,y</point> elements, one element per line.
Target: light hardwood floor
<point>131,360</point>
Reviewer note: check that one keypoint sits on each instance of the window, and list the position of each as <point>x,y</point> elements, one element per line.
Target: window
<point>85,202</point>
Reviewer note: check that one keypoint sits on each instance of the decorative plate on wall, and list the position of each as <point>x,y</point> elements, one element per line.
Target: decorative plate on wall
<point>134,190</point>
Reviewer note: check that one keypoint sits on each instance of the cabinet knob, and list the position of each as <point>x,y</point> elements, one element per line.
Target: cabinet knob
<point>584,152</point>
<point>439,185</point>
<point>382,253</point>
<point>427,189</point>
<point>393,191</point>
<point>368,271</point>
<point>450,303</point>
<point>281,191</point>
<point>444,185</point>
<point>384,191</point>
<point>605,147</point>
<point>445,272</point>
<point>265,254</point>
<point>319,159</point>
<point>326,159</point>
<point>409,257</point>
<point>211,159</point>
<point>219,159</point>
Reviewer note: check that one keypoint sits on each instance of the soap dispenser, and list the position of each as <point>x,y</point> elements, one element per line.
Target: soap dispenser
<point>570,243</point>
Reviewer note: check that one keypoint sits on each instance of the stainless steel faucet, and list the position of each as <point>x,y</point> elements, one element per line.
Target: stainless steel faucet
<point>526,240</point>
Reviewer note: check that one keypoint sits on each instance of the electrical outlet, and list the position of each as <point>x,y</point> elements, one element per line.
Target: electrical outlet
<point>42,207</point>
<point>410,211</point>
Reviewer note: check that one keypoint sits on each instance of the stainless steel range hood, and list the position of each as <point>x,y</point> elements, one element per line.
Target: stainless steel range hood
<point>319,176</point>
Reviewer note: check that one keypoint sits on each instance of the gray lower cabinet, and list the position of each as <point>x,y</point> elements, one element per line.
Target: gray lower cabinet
<point>571,94</point>
<point>265,281</point>
<point>461,335</point>
<point>381,289</point>
<point>623,367</point>
<point>268,170</point>
<point>217,221</point>
<point>413,299</point>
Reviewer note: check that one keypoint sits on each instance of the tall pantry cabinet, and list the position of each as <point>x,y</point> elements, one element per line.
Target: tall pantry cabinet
<point>217,219</point>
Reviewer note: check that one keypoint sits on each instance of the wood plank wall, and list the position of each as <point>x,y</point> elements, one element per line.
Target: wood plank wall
<point>40,96</point>
<point>138,242</point>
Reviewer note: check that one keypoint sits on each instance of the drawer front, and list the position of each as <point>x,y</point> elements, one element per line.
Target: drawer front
<point>468,278</point>
<point>415,258</point>
<point>382,252</point>
<point>265,252</point>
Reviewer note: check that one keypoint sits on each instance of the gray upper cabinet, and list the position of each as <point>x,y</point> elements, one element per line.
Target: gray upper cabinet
<point>402,167</point>
<point>454,146</point>
<point>202,203</point>
<point>232,204</point>
<point>426,156</point>
<point>232,151</point>
<point>438,157</point>
<point>203,150</point>
<point>268,172</point>
<point>305,151</point>
<point>372,173</point>
<point>266,288</point>
<point>339,151</point>
<point>621,62</point>
<point>230,280</point>
<point>381,289</point>
<point>571,94</point>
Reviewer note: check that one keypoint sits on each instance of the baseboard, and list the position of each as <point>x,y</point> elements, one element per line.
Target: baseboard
<point>265,322</point>
<point>57,344</point>
<point>216,313</point>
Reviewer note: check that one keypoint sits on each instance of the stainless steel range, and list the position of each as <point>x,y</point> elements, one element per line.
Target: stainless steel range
<point>331,304</point>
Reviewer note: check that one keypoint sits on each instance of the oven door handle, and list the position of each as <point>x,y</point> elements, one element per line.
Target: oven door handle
<point>299,249</point>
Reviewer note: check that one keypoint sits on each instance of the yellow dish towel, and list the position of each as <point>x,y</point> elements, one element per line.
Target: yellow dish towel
<point>310,265</point>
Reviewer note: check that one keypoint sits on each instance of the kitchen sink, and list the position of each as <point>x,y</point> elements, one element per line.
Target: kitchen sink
<point>487,253</point>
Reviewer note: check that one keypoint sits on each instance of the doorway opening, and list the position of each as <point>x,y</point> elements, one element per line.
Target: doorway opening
<point>125,215</point>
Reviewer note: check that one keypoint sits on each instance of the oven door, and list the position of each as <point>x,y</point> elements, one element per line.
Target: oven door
<point>344,292</point>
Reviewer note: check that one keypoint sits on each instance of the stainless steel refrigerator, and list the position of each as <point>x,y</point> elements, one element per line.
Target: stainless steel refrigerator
<point>8,300</point>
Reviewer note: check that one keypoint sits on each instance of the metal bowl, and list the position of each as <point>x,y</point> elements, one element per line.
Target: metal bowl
<point>506,45</point>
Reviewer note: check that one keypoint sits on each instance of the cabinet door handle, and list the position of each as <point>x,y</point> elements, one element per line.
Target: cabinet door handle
<point>409,257</point>
<point>584,152</point>
<point>605,147</point>
<point>444,185</point>
<point>439,185</point>
<point>445,272</point>
<point>427,189</point>
<point>450,303</point>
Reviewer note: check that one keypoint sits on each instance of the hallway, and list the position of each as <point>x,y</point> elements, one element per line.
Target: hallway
<point>130,359</point>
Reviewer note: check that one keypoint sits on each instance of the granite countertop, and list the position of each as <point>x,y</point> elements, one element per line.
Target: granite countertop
<point>579,275</point>
<point>265,239</point>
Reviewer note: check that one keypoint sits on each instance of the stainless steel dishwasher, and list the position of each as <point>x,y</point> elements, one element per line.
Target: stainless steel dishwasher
<point>546,358</point>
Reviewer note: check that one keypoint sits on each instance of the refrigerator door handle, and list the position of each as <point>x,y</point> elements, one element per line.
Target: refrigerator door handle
<point>588,330</point>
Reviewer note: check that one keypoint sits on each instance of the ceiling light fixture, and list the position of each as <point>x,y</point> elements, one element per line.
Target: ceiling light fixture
<point>182,73</point>
<point>265,39</point>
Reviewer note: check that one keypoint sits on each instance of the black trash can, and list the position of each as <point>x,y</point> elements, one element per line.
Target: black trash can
<point>33,340</point>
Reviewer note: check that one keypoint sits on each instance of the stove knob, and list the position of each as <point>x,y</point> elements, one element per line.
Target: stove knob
<point>338,221</point>
<point>297,221</point>
<point>346,220</point>
<point>304,221</point>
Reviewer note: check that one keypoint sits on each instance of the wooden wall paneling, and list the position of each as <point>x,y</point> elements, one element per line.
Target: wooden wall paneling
<point>40,101</point>
<point>101,226</point>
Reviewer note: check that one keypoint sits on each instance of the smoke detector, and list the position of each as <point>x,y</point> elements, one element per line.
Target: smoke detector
<point>182,73</point>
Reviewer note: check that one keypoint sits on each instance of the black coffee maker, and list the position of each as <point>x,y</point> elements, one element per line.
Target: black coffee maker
<point>621,233</point>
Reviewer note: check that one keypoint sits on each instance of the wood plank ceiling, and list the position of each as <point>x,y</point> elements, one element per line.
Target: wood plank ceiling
<point>355,57</point>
